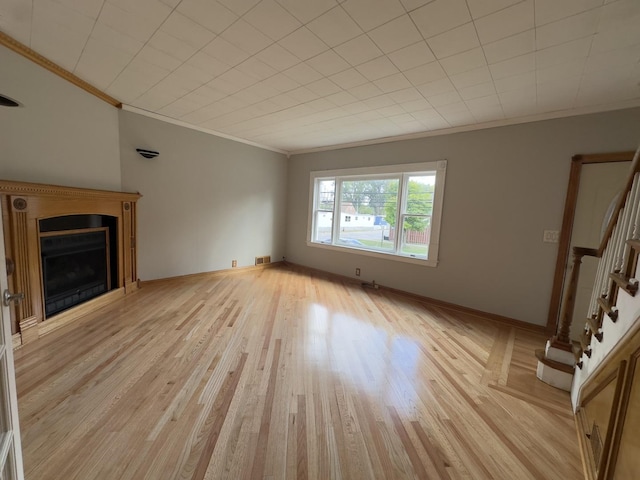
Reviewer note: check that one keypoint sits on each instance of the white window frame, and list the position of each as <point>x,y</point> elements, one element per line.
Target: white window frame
<point>403,171</point>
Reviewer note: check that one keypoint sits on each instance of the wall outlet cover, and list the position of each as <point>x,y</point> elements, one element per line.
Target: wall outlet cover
<point>551,236</point>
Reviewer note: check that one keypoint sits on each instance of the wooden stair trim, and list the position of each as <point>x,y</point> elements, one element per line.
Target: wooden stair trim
<point>563,367</point>
<point>635,244</point>
<point>595,326</point>
<point>607,308</point>
<point>585,343</point>
<point>624,283</point>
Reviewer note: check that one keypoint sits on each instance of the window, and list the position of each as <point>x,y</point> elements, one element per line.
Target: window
<point>391,211</point>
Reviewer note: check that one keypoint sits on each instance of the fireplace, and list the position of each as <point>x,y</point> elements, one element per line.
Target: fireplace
<point>66,246</point>
<point>75,268</point>
<point>76,259</point>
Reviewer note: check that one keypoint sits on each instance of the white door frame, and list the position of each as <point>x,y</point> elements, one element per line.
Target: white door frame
<point>10,444</point>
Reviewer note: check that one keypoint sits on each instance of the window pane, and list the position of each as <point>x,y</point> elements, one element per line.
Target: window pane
<point>416,232</point>
<point>364,207</point>
<point>323,226</point>
<point>420,194</point>
<point>326,194</point>
<point>323,221</point>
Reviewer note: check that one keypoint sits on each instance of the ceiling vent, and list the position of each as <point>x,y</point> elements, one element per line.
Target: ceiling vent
<point>8,102</point>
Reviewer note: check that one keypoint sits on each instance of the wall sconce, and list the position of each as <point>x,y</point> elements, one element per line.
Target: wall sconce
<point>147,153</point>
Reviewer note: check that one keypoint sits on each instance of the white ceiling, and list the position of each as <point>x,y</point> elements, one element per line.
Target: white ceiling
<point>300,74</point>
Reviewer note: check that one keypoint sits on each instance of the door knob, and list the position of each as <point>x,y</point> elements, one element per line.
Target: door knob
<point>8,297</point>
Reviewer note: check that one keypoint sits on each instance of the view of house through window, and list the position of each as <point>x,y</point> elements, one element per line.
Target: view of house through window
<point>385,211</point>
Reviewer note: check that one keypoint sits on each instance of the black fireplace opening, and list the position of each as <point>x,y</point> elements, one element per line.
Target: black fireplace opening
<point>79,259</point>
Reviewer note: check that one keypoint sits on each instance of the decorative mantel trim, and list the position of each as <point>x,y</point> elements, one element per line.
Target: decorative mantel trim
<point>24,188</point>
<point>23,206</point>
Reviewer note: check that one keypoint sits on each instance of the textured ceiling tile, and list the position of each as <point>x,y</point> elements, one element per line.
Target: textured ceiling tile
<point>303,43</point>
<point>246,37</point>
<point>256,68</point>
<point>481,8</point>
<point>425,73</point>
<point>477,91</point>
<point>436,87</point>
<point>413,4</point>
<point>412,56</point>
<point>302,73</point>
<point>552,10</point>
<point>370,14</point>
<point>576,49</point>
<point>15,19</point>
<point>464,61</point>
<point>358,50</point>
<point>239,7</point>
<point>328,63</point>
<point>395,34</point>
<point>507,22</point>
<point>185,29</point>
<point>135,22</point>
<point>393,83</point>
<point>277,57</point>
<point>172,46</point>
<point>377,68</point>
<point>471,77</point>
<point>307,10</point>
<point>441,15</point>
<point>281,23</point>
<point>209,14</point>
<point>456,40</point>
<point>513,66</point>
<point>335,27</point>
<point>510,47</point>
<point>208,64</point>
<point>224,51</point>
<point>571,28</point>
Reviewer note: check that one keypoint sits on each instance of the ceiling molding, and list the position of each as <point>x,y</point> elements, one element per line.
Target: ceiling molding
<point>180,123</point>
<point>21,49</point>
<point>576,112</point>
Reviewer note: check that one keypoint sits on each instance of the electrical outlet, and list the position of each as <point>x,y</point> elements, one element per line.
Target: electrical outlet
<point>551,236</point>
<point>357,272</point>
<point>234,263</point>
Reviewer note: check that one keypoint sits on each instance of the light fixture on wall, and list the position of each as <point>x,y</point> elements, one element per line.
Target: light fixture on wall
<point>147,153</point>
<point>8,102</point>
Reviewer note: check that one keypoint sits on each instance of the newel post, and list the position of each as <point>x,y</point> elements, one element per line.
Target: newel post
<point>556,361</point>
<point>562,339</point>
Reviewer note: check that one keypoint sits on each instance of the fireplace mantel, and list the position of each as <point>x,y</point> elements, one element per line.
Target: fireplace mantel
<point>23,206</point>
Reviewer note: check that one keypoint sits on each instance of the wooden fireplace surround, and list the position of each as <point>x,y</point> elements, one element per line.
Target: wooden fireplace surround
<point>23,206</point>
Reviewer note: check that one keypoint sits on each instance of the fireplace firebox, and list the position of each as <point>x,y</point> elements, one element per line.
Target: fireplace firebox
<point>75,267</point>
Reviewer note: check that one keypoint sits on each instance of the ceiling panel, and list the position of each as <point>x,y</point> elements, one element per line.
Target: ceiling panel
<point>302,74</point>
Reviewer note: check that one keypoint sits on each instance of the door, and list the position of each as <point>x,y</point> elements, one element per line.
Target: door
<point>10,446</point>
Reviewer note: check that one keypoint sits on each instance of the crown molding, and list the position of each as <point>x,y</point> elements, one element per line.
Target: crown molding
<point>180,123</point>
<point>21,49</point>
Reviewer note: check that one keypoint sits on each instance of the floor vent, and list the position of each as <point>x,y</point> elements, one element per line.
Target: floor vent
<point>263,260</point>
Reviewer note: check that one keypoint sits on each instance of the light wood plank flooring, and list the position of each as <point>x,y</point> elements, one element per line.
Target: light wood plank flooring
<point>281,374</point>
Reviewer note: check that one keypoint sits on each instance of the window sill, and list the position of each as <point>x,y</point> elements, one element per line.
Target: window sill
<point>369,253</point>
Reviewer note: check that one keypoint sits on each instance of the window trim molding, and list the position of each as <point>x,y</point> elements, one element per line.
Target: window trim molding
<point>439,166</point>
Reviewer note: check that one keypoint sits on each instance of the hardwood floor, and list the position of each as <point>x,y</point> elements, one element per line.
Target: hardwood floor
<point>282,374</point>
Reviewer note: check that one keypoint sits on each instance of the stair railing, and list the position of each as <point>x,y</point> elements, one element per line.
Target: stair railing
<point>615,267</point>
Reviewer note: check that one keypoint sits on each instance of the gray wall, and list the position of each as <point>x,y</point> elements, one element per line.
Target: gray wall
<point>504,187</point>
<point>207,200</point>
<point>62,134</point>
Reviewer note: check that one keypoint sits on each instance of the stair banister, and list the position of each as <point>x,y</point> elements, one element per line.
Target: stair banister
<point>611,253</point>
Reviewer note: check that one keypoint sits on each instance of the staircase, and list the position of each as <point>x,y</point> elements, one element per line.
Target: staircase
<point>601,372</point>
